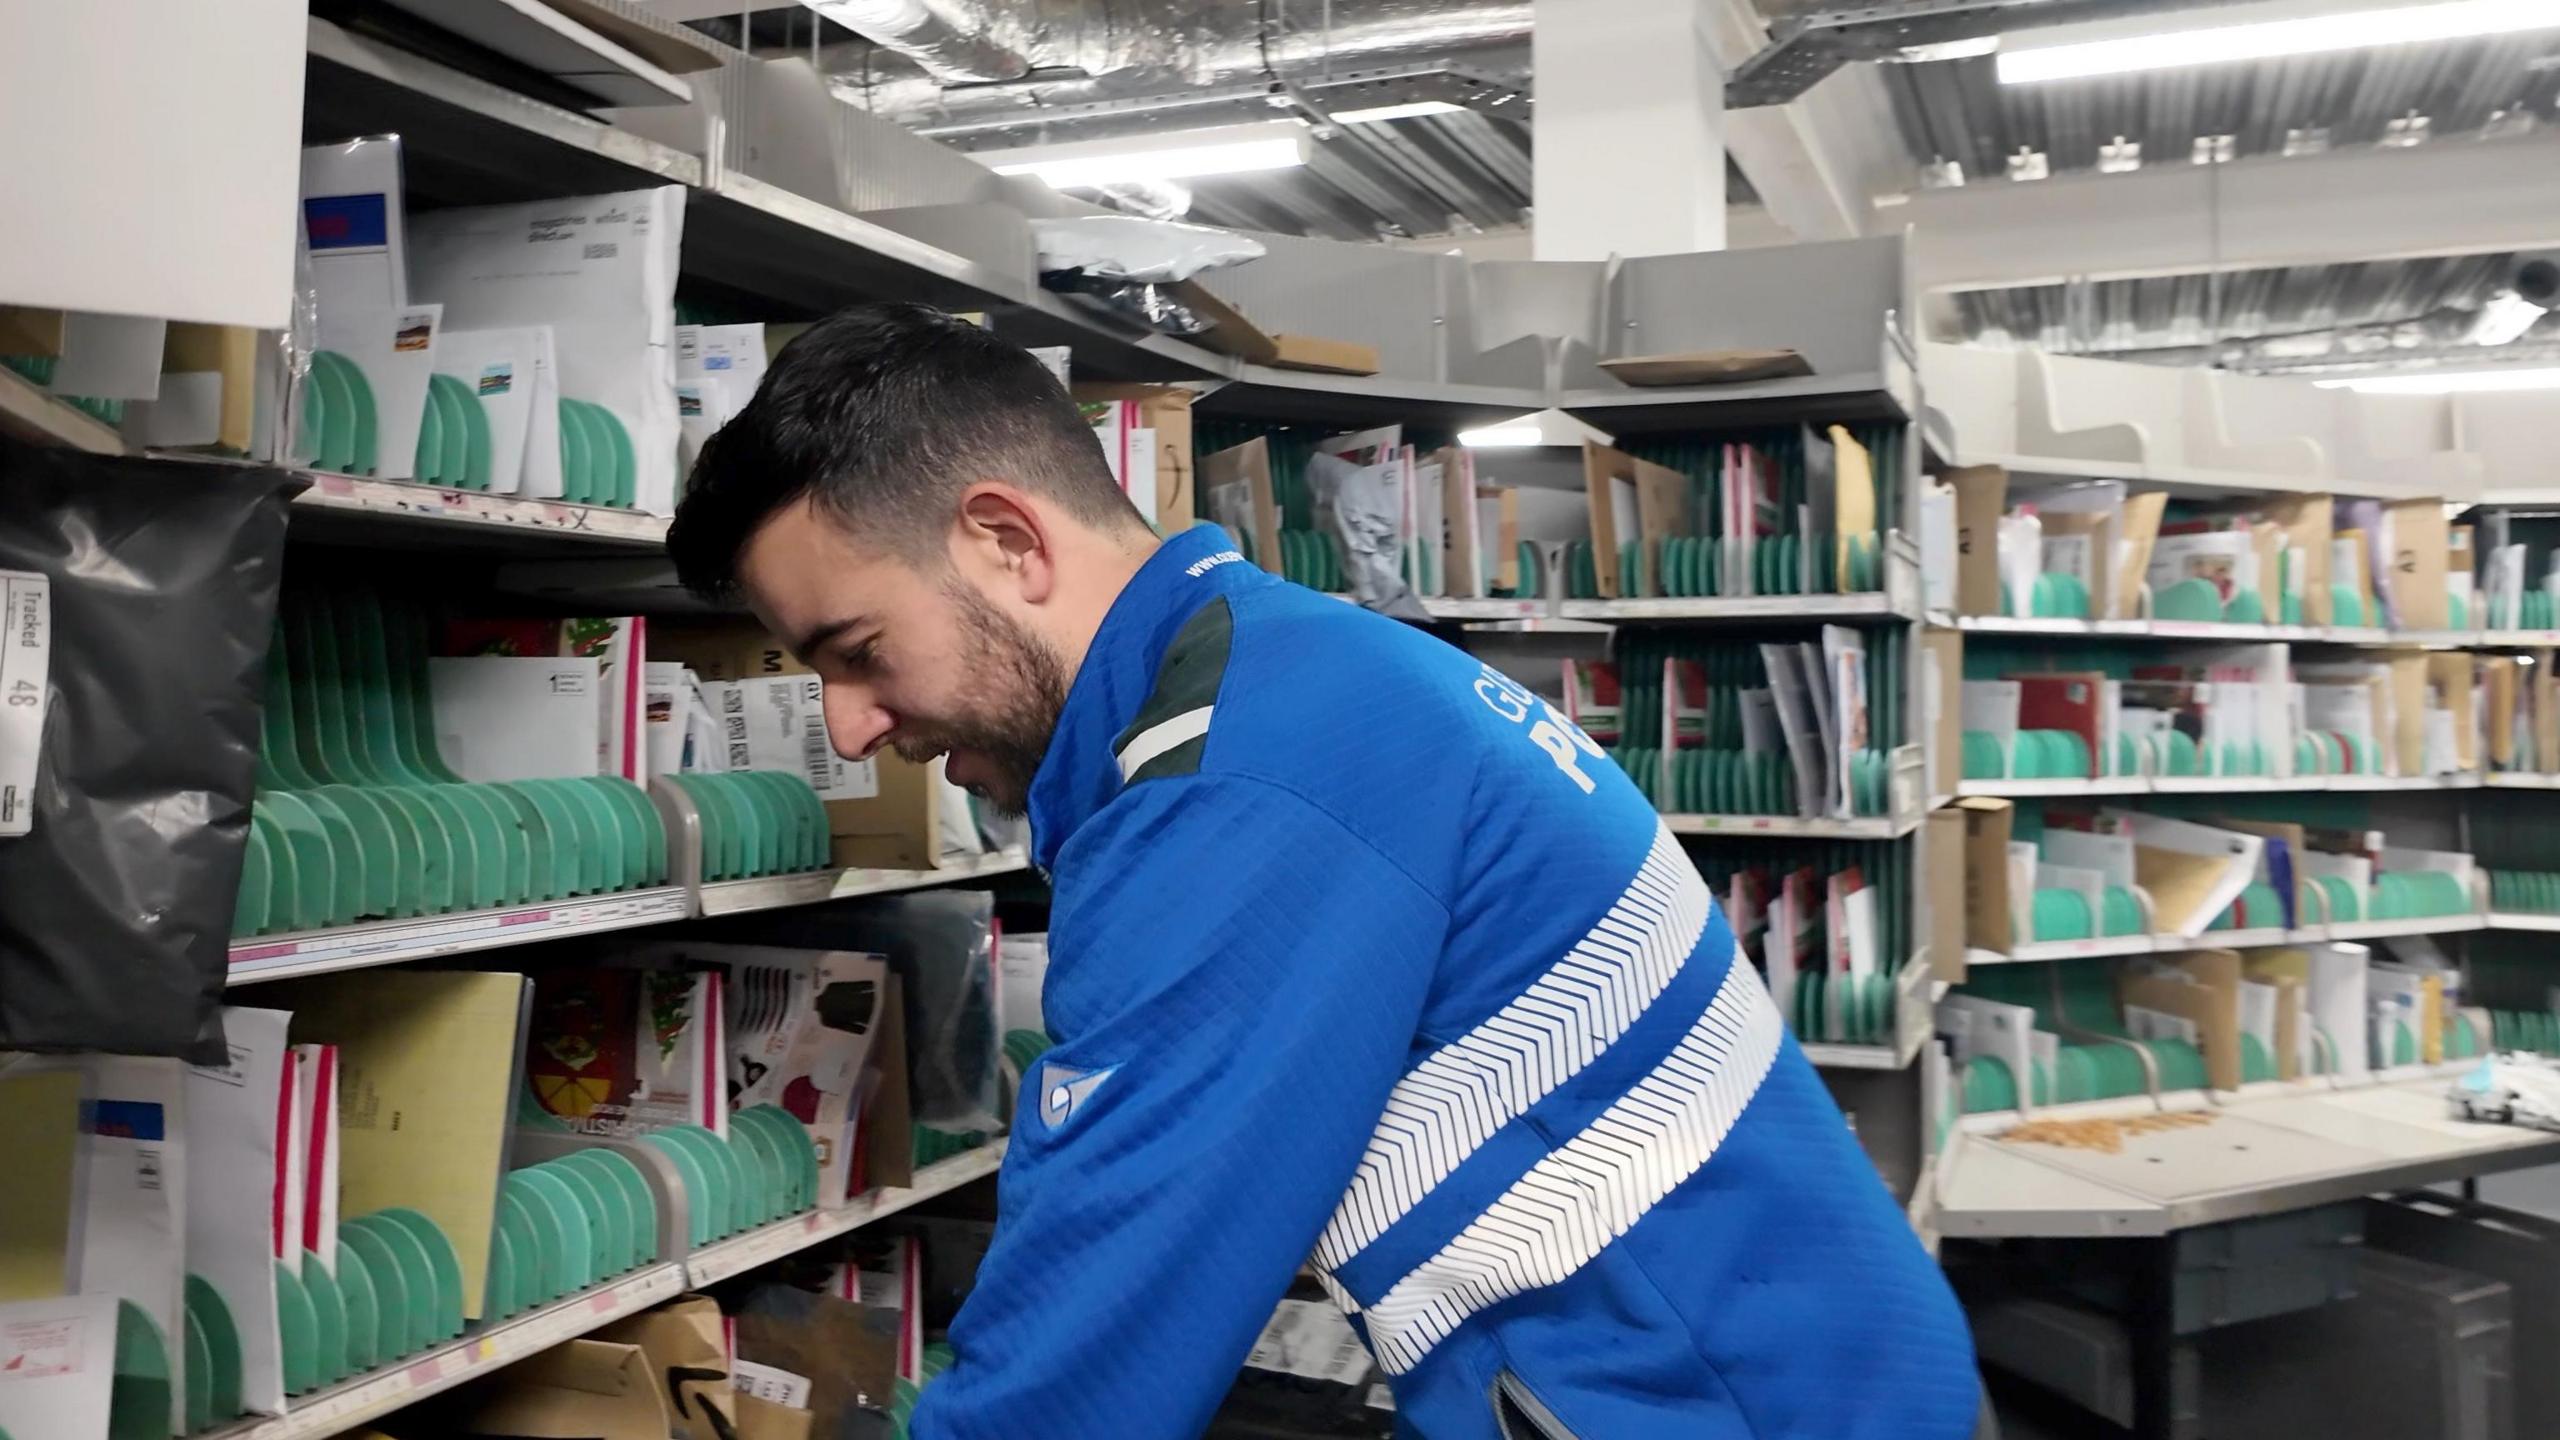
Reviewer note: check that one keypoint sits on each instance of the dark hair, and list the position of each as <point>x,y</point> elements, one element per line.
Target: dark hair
<point>882,414</point>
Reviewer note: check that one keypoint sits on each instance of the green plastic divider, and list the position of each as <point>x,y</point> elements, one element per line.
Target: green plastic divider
<point>298,1329</point>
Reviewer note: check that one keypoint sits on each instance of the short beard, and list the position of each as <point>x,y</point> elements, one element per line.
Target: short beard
<point>1008,704</point>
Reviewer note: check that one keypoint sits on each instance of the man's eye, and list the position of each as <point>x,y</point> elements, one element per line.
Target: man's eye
<point>862,656</point>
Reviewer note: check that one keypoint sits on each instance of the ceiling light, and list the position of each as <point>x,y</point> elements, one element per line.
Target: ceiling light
<point>2467,382</point>
<point>1406,111</point>
<point>1175,155</point>
<point>1502,437</point>
<point>1544,427</point>
<point>2210,45</point>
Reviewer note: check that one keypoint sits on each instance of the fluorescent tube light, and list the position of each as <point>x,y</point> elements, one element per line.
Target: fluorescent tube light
<point>1407,111</point>
<point>1502,437</point>
<point>1175,155</point>
<point>2465,382</point>
<point>2319,34</point>
<point>1543,427</point>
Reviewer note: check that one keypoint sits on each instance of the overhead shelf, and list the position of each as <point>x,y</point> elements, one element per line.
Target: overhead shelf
<point>1629,411</point>
<point>2119,785</point>
<point>2279,1147</point>
<point>1356,402</point>
<point>362,511</point>
<point>348,1406</point>
<point>769,892</point>
<point>2206,632</point>
<point>1869,827</point>
<point>30,412</point>
<point>393,942</point>
<point>741,1253</point>
<point>2258,938</point>
<point>1873,606</point>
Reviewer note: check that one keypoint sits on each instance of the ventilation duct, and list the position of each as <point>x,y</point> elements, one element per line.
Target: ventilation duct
<point>939,63</point>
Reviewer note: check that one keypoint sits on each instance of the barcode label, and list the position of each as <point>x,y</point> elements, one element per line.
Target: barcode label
<point>817,753</point>
<point>26,608</point>
<point>733,726</point>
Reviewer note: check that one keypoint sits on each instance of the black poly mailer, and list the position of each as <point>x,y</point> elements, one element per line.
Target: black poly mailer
<point>115,909</point>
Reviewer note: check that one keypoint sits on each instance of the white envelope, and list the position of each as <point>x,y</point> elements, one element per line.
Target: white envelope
<point>231,1189</point>
<point>109,357</point>
<point>510,370</point>
<point>396,350</point>
<point>355,215</point>
<point>516,717</point>
<point>601,271</point>
<point>316,1095</point>
<point>57,1366</point>
<point>2339,976</point>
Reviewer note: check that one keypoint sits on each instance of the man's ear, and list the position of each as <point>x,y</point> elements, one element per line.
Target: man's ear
<point>1003,537</point>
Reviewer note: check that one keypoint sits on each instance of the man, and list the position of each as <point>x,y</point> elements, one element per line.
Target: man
<point>1361,956</point>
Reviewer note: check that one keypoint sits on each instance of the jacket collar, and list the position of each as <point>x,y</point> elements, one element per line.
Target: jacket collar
<point>1079,775</point>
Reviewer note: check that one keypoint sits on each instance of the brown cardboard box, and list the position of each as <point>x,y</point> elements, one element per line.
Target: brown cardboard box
<point>2498,675</point>
<point>230,351</point>
<point>576,1390</point>
<point>1707,367</point>
<point>1662,510</point>
<point>688,1352</point>
<point>2292,836</point>
<point>1249,465</point>
<point>888,1141</point>
<point>897,829</point>
<point>2415,530</point>
<point>1982,493</point>
<point>2305,522</point>
<point>1231,333</point>
<point>1944,920</point>
<point>849,1351</point>
<point>1986,872</point>
<point>2546,708</point>
<point>2141,526</point>
<point>1459,563</point>
<point>1505,562</point>
<point>25,330</point>
<point>2210,997</point>
<point>2101,530</point>
<point>2408,738</point>
<point>764,1420</point>
<point>1165,409</point>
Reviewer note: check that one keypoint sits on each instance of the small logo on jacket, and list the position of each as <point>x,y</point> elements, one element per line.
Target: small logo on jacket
<point>1064,1090</point>
<point>1203,566</point>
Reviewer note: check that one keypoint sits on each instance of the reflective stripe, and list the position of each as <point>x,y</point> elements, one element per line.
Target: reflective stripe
<point>1451,1103</point>
<point>1155,740</point>
<point>1593,1189</point>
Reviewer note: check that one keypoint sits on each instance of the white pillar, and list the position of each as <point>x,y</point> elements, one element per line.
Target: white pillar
<point>1629,130</point>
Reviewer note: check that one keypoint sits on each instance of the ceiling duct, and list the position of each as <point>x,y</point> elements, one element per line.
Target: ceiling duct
<point>950,40</point>
<point>956,65</point>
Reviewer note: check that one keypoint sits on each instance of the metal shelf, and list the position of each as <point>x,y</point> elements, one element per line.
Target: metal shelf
<point>353,509</point>
<point>2282,1147</point>
<point>1865,827</point>
<point>741,1253</point>
<point>392,942</point>
<point>2521,921</point>
<point>1853,1057</point>
<point>347,1406</point>
<point>2520,781</point>
<point>771,892</point>
<point>1360,401</point>
<point>2257,938</point>
<point>1875,606</point>
<point>2214,632</point>
<point>1631,410</point>
<point>2121,785</point>
<point>2415,925</point>
<point>30,412</point>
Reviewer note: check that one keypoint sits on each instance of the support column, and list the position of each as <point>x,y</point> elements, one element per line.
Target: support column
<point>1629,131</point>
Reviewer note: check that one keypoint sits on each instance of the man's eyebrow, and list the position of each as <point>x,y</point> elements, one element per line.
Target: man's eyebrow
<point>819,635</point>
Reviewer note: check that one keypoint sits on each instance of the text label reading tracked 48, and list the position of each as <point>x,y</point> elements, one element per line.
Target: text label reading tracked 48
<point>1563,740</point>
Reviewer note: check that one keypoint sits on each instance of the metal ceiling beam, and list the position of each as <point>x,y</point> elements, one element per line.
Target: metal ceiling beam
<point>1818,163</point>
<point>1804,49</point>
<point>2448,198</point>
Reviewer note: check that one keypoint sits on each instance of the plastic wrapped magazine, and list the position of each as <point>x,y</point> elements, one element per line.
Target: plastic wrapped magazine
<point>942,945</point>
<point>2515,1088</point>
<point>1147,252</point>
<point>125,784</point>
<point>1363,508</point>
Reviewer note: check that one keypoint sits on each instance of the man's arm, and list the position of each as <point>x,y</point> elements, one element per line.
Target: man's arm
<point>1238,993</point>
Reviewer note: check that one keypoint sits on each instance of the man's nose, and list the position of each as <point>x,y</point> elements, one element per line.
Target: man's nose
<point>856,724</point>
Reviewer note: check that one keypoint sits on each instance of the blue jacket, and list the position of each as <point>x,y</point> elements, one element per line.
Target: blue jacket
<point>1360,952</point>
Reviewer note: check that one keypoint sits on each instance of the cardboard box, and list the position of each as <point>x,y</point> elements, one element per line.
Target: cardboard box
<point>764,1420</point>
<point>1982,493</point>
<point>2304,520</point>
<point>1230,333</point>
<point>1165,409</point>
<point>899,828</point>
<point>1986,872</point>
<point>1661,511</point>
<point>1707,367</point>
<point>686,1345</point>
<point>2418,542</point>
<point>885,1151</point>
<point>1943,921</point>
<point>26,330</point>
<point>577,1390</point>
<point>1246,467</point>
<point>2209,996</point>
<point>2450,676</point>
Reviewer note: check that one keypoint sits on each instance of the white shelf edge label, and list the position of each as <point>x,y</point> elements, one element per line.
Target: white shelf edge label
<point>24,653</point>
